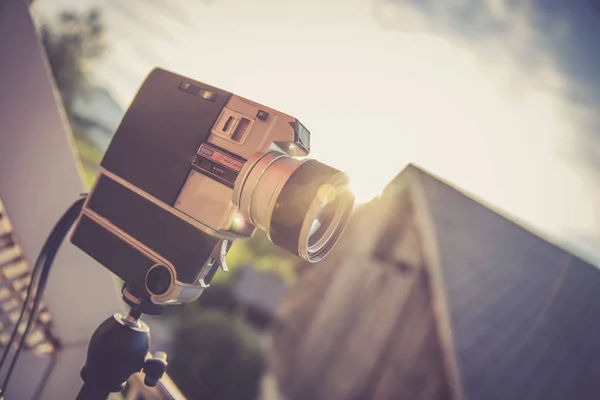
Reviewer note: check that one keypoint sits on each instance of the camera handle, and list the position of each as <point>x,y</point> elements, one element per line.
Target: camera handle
<point>118,349</point>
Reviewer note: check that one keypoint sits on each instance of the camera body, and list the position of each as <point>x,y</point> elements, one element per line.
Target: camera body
<point>190,169</point>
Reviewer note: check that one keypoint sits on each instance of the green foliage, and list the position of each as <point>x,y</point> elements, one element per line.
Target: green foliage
<point>258,252</point>
<point>219,297</point>
<point>90,157</point>
<point>216,356</point>
<point>71,43</point>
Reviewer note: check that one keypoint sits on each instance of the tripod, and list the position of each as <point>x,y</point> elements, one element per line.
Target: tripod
<point>118,349</point>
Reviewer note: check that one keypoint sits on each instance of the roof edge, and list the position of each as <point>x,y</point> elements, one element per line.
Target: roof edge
<point>439,300</point>
<point>414,171</point>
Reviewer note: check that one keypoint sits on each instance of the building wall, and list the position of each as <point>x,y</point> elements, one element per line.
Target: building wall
<point>360,324</point>
<point>38,182</point>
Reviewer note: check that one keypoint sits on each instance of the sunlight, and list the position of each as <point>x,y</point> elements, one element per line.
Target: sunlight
<point>376,100</point>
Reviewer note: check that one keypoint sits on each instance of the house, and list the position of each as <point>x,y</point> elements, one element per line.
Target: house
<point>258,295</point>
<point>432,295</point>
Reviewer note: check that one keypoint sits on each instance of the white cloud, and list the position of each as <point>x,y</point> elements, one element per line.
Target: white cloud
<point>528,131</point>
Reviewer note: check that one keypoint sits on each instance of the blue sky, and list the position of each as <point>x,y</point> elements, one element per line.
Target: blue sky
<point>499,97</point>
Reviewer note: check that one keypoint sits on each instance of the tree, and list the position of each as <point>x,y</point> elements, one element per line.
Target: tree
<point>71,44</point>
<point>260,253</point>
<point>73,41</point>
<point>216,356</point>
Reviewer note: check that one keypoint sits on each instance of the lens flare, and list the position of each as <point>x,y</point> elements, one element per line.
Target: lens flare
<point>326,194</point>
<point>238,223</point>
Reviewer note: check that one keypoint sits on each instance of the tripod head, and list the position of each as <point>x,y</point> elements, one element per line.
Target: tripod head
<point>118,349</point>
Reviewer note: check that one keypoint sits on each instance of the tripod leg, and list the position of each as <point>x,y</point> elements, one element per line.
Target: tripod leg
<point>117,350</point>
<point>88,392</point>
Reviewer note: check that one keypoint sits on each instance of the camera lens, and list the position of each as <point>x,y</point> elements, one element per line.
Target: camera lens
<point>303,205</point>
<point>323,226</point>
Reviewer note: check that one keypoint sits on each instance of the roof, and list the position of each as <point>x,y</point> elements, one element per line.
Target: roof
<point>523,311</point>
<point>514,314</point>
<point>360,323</point>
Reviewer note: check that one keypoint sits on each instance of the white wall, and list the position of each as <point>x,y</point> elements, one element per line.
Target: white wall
<point>38,181</point>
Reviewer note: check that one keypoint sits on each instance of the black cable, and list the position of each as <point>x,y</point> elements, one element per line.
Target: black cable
<point>46,255</point>
<point>55,239</point>
<point>32,284</point>
<point>32,315</point>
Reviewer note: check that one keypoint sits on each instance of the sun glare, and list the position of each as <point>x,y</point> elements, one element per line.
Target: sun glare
<point>376,100</point>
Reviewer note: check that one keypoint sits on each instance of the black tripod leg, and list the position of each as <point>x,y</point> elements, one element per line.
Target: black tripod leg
<point>88,392</point>
<point>117,350</point>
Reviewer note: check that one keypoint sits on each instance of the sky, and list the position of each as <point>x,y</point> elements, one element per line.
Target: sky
<point>498,97</point>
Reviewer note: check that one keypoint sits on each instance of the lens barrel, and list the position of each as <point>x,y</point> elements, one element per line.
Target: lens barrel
<point>303,205</point>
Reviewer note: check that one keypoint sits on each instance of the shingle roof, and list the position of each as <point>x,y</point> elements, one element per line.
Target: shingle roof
<point>524,313</point>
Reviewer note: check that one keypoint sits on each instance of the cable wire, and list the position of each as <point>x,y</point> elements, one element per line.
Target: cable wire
<point>46,257</point>
<point>32,284</point>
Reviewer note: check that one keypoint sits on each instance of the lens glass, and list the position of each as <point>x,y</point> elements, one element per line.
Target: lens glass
<point>320,230</point>
<point>303,205</point>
